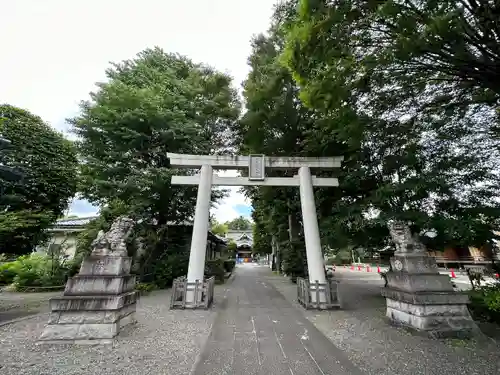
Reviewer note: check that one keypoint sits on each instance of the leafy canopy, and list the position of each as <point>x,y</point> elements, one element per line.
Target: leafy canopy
<point>48,164</point>
<point>239,223</point>
<point>151,105</point>
<point>389,83</point>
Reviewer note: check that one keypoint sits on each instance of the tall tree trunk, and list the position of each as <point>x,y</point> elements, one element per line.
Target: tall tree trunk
<point>274,246</point>
<point>293,228</point>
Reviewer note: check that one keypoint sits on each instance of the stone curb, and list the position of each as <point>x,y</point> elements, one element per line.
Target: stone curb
<point>231,277</point>
<point>12,321</point>
<point>198,358</point>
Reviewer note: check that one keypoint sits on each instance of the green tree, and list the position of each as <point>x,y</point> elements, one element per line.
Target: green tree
<point>151,105</point>
<point>449,48</point>
<point>49,166</point>
<point>262,238</point>
<point>410,152</point>
<point>219,228</point>
<point>240,223</point>
<point>275,123</point>
<point>343,256</point>
<point>232,247</point>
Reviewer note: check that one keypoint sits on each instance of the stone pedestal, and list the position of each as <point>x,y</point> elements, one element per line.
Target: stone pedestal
<point>419,297</point>
<point>96,304</point>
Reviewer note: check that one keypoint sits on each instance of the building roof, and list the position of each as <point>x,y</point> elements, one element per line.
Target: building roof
<point>74,222</point>
<point>82,221</point>
<point>223,239</point>
<point>78,223</point>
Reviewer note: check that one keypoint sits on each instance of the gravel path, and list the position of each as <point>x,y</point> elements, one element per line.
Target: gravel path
<point>361,331</point>
<point>169,342</point>
<point>25,301</point>
<point>162,342</point>
<point>18,305</point>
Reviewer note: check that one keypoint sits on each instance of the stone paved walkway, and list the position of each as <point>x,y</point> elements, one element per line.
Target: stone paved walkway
<point>257,331</point>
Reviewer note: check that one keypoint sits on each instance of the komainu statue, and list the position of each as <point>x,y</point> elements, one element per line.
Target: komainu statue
<point>113,242</point>
<point>403,240</point>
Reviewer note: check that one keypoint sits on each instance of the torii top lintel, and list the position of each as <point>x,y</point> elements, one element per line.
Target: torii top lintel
<point>242,162</point>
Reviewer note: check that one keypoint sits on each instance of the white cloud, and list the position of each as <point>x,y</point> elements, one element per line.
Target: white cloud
<point>225,210</point>
<point>81,208</point>
<point>55,50</point>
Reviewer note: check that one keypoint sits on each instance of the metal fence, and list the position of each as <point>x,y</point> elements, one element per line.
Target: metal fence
<point>203,292</point>
<point>318,295</point>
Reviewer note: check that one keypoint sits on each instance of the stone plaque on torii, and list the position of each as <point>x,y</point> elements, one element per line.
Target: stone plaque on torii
<point>256,165</point>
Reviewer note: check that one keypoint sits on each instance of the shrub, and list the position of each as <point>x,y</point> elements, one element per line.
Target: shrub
<point>485,303</point>
<point>343,257</point>
<point>7,273</point>
<point>33,270</point>
<point>294,260</point>
<point>168,268</point>
<point>145,288</point>
<point>331,260</point>
<point>73,265</point>
<point>229,265</point>
<point>215,268</point>
<point>38,271</point>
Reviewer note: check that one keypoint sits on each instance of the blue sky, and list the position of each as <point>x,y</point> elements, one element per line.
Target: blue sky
<point>55,51</point>
<point>243,210</point>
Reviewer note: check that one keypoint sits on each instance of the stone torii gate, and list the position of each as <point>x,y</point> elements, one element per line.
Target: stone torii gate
<point>257,165</point>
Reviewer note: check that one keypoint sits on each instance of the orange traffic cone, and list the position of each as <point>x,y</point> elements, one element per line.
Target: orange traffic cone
<point>367,268</point>
<point>378,268</point>
<point>352,268</point>
<point>497,275</point>
<point>453,276</point>
<point>359,268</point>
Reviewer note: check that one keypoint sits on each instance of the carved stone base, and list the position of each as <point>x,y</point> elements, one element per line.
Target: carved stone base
<point>418,297</point>
<point>96,305</point>
<point>450,319</point>
<point>86,326</point>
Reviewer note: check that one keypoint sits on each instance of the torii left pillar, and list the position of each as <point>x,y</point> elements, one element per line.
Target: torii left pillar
<point>196,268</point>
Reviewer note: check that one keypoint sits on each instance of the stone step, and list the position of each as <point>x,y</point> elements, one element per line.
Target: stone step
<point>90,316</point>
<point>92,303</point>
<point>426,298</point>
<point>85,333</point>
<point>89,285</point>
<point>415,282</point>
